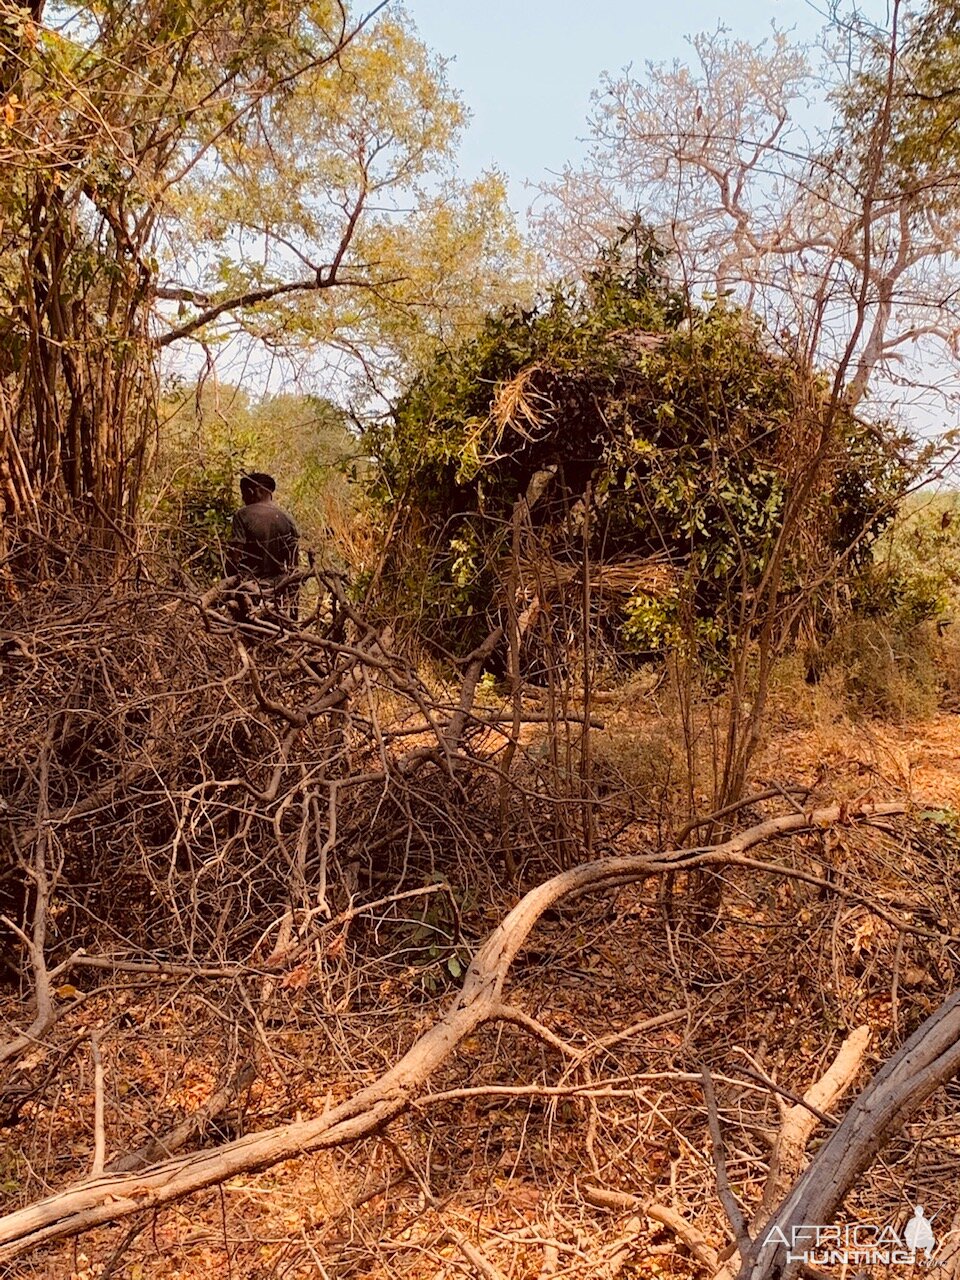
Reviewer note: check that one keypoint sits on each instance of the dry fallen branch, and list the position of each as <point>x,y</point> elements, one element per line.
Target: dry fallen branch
<point>704,1253</point>
<point>801,1119</point>
<point>930,1058</point>
<point>481,1263</point>
<point>188,1129</point>
<point>724,1190</point>
<point>100,1137</point>
<point>107,1199</point>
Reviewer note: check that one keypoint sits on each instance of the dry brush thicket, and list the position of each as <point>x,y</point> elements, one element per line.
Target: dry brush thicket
<point>258,915</point>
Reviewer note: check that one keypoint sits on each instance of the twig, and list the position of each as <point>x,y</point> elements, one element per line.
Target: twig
<point>586,761</point>
<point>126,1240</point>
<point>472,1254</point>
<point>771,793</point>
<point>510,1013</point>
<point>99,1132</point>
<point>694,1240</point>
<point>727,1198</point>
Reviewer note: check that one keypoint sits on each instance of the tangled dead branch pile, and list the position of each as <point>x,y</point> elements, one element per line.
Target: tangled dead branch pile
<point>252,818</point>
<point>189,775</point>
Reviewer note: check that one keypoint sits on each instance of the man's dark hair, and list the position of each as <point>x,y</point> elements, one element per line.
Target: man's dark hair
<point>257,480</point>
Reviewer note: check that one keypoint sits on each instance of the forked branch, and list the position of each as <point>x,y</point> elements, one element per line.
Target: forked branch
<point>108,1199</point>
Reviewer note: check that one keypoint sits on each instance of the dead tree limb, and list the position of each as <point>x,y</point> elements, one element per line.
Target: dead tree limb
<point>724,1190</point>
<point>112,1198</point>
<point>480,1261</point>
<point>189,1128</point>
<point>929,1059</point>
<point>623,1201</point>
<point>801,1119</point>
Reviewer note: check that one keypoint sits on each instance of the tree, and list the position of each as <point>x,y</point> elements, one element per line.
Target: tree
<point>839,235</point>
<point>200,174</point>
<point>825,233</point>
<point>923,154</point>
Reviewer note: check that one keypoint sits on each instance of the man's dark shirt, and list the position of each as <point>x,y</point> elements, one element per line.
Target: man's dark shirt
<point>264,541</point>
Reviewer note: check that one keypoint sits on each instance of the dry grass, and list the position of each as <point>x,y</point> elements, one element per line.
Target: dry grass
<point>650,574</point>
<point>517,405</point>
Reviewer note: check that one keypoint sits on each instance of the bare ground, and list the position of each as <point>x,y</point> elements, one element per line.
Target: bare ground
<point>499,1180</point>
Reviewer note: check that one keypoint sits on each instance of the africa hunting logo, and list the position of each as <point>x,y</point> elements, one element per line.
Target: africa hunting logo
<point>863,1244</point>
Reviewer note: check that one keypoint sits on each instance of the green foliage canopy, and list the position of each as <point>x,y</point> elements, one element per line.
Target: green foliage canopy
<point>683,425</point>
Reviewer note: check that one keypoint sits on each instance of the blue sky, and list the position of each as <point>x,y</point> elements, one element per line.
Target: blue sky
<point>526,68</point>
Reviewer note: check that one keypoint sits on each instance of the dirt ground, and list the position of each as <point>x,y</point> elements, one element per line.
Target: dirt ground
<point>505,1187</point>
<point>922,759</point>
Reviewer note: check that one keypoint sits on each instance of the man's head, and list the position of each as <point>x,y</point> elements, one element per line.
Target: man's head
<point>257,487</point>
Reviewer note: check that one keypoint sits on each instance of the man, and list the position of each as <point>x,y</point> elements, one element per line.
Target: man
<point>264,542</point>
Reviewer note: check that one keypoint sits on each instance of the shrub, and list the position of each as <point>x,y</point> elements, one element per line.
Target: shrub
<point>888,671</point>
<point>196,511</point>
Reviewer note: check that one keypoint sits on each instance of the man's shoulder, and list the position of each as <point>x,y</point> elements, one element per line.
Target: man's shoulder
<point>265,518</point>
<point>286,519</point>
<point>280,520</point>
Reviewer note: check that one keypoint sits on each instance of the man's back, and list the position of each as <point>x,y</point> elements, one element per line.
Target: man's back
<point>264,541</point>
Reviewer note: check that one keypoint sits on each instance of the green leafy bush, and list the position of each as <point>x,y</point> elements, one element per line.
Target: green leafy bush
<point>196,511</point>
<point>895,653</point>
<point>672,433</point>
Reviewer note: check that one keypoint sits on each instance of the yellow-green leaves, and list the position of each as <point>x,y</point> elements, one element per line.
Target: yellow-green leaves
<point>231,172</point>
